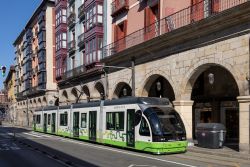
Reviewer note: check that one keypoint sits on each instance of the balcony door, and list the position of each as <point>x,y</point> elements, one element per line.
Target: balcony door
<point>152,17</point>
<point>120,34</point>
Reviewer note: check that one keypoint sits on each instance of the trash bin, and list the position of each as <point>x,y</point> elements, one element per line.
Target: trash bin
<point>210,135</point>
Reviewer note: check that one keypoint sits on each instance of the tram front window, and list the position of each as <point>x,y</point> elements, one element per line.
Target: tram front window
<point>166,124</point>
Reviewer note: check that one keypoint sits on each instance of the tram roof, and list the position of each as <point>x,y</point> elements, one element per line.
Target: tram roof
<point>126,100</point>
<point>120,101</point>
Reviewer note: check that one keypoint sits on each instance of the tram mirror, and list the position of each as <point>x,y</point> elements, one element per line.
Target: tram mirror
<point>138,116</point>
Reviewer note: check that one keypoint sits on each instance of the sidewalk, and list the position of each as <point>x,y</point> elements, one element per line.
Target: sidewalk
<point>223,152</point>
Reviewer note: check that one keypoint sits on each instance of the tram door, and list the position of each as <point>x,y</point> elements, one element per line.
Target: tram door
<point>45,123</point>
<point>130,128</point>
<point>53,123</point>
<point>92,125</point>
<point>76,124</point>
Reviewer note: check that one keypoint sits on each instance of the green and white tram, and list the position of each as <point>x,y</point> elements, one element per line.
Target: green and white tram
<point>141,123</point>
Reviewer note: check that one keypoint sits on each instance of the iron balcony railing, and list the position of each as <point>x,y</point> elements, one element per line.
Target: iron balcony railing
<point>81,40</point>
<point>71,19</point>
<point>71,1</point>
<point>81,12</point>
<point>118,5</point>
<point>172,22</point>
<point>71,46</point>
<point>74,72</point>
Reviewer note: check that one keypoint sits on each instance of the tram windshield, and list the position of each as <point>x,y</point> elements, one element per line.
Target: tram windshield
<point>165,121</point>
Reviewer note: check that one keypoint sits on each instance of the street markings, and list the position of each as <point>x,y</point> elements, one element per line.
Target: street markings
<point>30,134</point>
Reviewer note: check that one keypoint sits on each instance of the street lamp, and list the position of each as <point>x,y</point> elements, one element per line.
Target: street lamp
<point>124,92</point>
<point>158,86</point>
<point>211,78</point>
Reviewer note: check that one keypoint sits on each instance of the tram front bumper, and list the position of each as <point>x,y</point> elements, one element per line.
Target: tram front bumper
<point>163,147</point>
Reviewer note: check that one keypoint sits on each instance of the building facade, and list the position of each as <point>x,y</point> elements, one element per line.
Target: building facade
<point>182,50</point>
<point>88,22</point>
<point>61,37</point>
<point>9,85</point>
<point>35,63</point>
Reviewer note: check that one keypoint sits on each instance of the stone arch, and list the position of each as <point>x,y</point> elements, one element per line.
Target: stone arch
<point>86,93</point>
<point>194,72</point>
<point>74,92</point>
<point>167,89</point>
<point>65,96</point>
<point>99,90</point>
<point>44,101</point>
<point>153,75</point>
<point>39,101</point>
<point>118,91</point>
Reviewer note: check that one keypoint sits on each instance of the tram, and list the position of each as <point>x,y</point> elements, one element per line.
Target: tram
<point>142,123</point>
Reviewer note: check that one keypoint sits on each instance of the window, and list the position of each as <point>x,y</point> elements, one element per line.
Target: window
<point>94,16</point>
<point>49,119</point>
<point>61,16</point>
<point>64,119</point>
<point>115,121</point>
<point>38,119</point>
<point>83,120</point>
<point>61,41</point>
<point>144,128</point>
<point>93,50</point>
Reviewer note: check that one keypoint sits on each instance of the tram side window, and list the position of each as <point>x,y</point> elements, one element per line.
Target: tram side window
<point>64,119</point>
<point>83,120</point>
<point>115,121</point>
<point>38,119</point>
<point>144,128</point>
<point>49,119</point>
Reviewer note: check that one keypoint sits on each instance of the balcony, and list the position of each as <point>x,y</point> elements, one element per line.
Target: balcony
<point>71,19</point>
<point>71,1</point>
<point>81,14</point>
<point>36,90</point>
<point>41,17</point>
<point>60,3</point>
<point>185,17</point>
<point>81,40</point>
<point>119,6</point>
<point>71,46</point>
<point>74,72</point>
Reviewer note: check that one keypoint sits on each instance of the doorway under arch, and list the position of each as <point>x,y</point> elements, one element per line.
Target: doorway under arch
<point>214,93</point>
<point>122,90</point>
<point>158,86</point>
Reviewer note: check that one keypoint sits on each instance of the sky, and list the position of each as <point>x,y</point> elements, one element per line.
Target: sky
<point>14,15</point>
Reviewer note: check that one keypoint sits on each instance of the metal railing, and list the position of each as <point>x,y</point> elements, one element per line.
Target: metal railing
<point>118,4</point>
<point>71,46</point>
<point>71,19</point>
<point>81,40</point>
<point>81,12</point>
<point>172,22</point>
<point>74,72</point>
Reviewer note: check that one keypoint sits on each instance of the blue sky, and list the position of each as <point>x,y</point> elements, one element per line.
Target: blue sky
<point>13,15</point>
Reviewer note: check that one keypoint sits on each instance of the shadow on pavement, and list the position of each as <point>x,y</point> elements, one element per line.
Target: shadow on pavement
<point>64,158</point>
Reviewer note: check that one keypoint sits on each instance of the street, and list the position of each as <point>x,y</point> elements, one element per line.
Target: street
<point>21,147</point>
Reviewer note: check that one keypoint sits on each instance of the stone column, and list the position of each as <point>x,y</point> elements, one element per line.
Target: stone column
<point>184,108</point>
<point>244,104</point>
